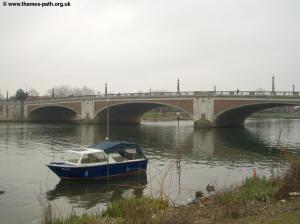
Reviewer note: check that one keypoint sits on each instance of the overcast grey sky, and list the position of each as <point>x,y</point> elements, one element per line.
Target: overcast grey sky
<point>137,45</point>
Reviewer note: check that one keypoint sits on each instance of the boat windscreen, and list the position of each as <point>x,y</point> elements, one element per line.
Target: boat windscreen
<point>97,157</point>
<point>132,154</point>
<point>130,150</point>
<point>72,157</point>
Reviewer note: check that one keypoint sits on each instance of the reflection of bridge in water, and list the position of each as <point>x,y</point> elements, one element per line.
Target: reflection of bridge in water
<point>154,136</point>
<point>206,109</point>
<point>222,142</point>
<point>205,142</point>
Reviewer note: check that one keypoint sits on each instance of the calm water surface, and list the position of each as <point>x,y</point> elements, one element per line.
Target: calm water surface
<point>215,156</point>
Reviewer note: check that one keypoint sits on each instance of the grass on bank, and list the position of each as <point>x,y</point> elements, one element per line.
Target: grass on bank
<point>239,200</point>
<point>242,200</point>
<point>130,210</point>
<point>252,189</point>
<point>135,209</point>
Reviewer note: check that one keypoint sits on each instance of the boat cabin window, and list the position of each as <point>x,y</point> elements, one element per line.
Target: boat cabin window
<point>127,154</point>
<point>132,154</point>
<point>97,157</point>
<point>72,157</point>
<point>117,157</point>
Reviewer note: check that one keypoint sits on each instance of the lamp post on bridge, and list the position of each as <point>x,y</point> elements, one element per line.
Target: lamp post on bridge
<point>107,114</point>
<point>273,84</point>
<point>293,88</point>
<point>178,87</point>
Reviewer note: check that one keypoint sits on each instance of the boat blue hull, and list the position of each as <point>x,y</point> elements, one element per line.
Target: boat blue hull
<point>65,171</point>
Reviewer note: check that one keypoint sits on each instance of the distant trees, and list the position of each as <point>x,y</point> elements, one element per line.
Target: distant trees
<point>66,91</point>
<point>1,96</point>
<point>260,90</point>
<point>59,91</point>
<point>83,91</point>
<point>21,95</point>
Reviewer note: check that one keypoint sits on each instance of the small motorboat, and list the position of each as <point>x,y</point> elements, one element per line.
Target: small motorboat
<point>106,159</point>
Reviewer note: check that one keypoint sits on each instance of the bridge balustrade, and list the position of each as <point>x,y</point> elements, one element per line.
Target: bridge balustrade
<point>173,94</point>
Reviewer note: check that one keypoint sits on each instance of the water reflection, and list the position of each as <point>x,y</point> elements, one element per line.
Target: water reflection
<point>87,194</point>
<point>242,139</point>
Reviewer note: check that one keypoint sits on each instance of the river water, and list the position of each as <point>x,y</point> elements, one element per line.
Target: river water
<point>181,161</point>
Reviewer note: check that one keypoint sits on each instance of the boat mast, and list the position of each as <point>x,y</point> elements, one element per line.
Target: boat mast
<point>107,114</point>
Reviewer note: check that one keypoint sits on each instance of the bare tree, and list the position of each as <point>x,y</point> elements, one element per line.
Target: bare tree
<point>76,91</point>
<point>60,91</point>
<point>66,91</point>
<point>33,92</point>
<point>87,91</point>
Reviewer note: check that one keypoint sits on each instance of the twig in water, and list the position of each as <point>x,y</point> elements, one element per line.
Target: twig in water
<point>278,138</point>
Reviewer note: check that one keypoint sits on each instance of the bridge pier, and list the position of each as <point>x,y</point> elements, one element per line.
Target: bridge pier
<point>203,112</point>
<point>203,123</point>
<point>87,114</point>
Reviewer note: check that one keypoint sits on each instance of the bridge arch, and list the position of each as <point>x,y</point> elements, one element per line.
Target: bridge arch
<point>53,113</point>
<point>130,112</point>
<point>236,116</point>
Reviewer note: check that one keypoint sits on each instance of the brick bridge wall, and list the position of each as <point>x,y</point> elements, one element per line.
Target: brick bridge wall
<point>76,106</point>
<point>221,104</point>
<point>185,104</point>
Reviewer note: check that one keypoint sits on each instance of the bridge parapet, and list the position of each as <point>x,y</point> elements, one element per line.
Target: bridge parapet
<point>191,94</point>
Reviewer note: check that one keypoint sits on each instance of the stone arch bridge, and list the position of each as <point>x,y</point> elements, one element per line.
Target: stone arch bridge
<point>206,109</point>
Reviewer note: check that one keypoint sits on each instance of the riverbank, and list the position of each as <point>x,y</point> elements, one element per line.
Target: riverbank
<point>171,116</point>
<point>205,211</point>
<point>256,200</point>
<point>281,115</point>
